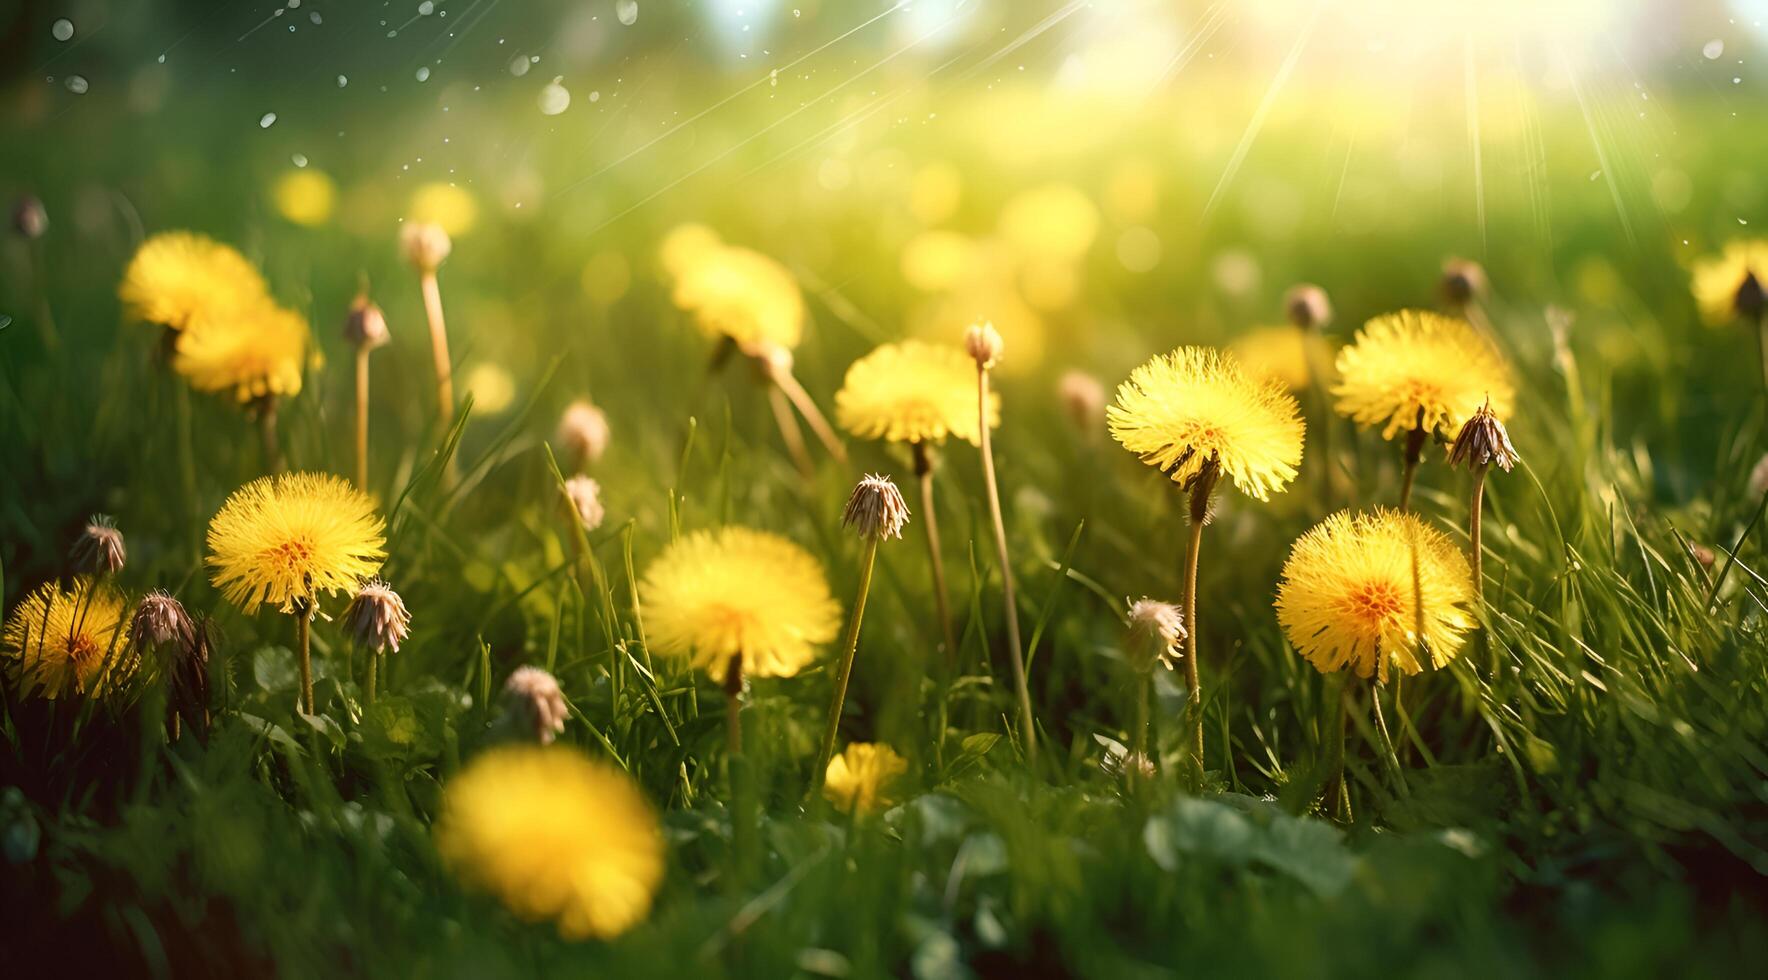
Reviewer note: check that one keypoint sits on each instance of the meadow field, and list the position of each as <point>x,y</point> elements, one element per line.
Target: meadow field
<point>857,489</point>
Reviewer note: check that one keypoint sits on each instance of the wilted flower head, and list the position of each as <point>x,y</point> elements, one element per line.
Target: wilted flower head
<point>1357,587</point>
<point>1417,369</point>
<point>366,326</point>
<point>29,218</point>
<point>1729,286</point>
<point>1483,442</point>
<point>1158,628</point>
<point>100,549</point>
<point>713,595</point>
<point>1307,306</point>
<point>876,509</point>
<point>860,777</point>
<point>426,245</point>
<point>1463,281</point>
<point>179,276</point>
<point>983,343</point>
<point>1083,398</point>
<point>254,352</point>
<point>533,698</point>
<point>286,539</point>
<point>1194,410</point>
<point>913,391</point>
<point>159,620</point>
<point>60,643</point>
<point>583,431</point>
<point>556,836</point>
<point>376,617</point>
<point>585,496</point>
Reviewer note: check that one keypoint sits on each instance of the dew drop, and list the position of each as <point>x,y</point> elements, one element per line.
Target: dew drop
<point>554,98</point>
<point>62,30</point>
<point>627,11</point>
<point>423,74</point>
<point>267,120</point>
<point>1713,50</point>
<point>77,84</point>
<point>343,80</point>
<point>315,18</point>
<point>519,66</point>
<point>299,159</point>
<point>426,8</point>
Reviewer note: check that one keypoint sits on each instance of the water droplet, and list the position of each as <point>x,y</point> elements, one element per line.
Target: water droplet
<point>267,120</point>
<point>5,321</point>
<point>423,74</point>
<point>299,159</point>
<point>1713,50</point>
<point>773,78</point>
<point>77,84</point>
<point>62,30</point>
<point>294,4</point>
<point>426,8</point>
<point>1736,80</point>
<point>554,98</point>
<point>519,66</point>
<point>343,80</point>
<point>796,12</point>
<point>315,18</point>
<point>627,11</point>
<point>595,96</point>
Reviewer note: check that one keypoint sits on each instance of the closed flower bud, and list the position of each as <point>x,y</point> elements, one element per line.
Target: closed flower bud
<point>28,217</point>
<point>160,620</point>
<point>1157,629</point>
<point>1083,397</point>
<point>366,326</point>
<point>1750,300</point>
<point>100,549</point>
<point>1307,306</point>
<point>876,509</point>
<point>426,246</point>
<point>376,617</point>
<point>1463,281</point>
<point>583,432</point>
<point>983,343</point>
<point>534,702</point>
<point>1482,443</point>
<point>585,496</point>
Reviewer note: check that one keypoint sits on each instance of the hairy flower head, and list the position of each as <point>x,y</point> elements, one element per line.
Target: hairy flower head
<point>1157,629</point>
<point>741,294</point>
<point>913,391</point>
<point>876,509</point>
<point>178,276</point>
<point>1183,410</point>
<point>1420,369</point>
<point>1357,588</point>
<point>376,617</point>
<point>59,643</point>
<point>715,594</point>
<point>253,352</point>
<point>556,836</point>
<point>1730,285</point>
<point>860,777</point>
<point>285,539</point>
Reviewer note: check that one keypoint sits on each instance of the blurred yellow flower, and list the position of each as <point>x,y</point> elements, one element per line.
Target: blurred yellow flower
<point>714,595</point>
<point>176,276</point>
<point>556,836</point>
<point>1055,221</point>
<point>1285,354</point>
<point>1718,279</point>
<point>1357,587</point>
<point>934,192</point>
<point>1417,369</point>
<point>684,244</point>
<point>1132,190</point>
<point>492,387</point>
<point>741,294</point>
<point>1195,406</point>
<point>305,197</point>
<point>286,539</point>
<point>446,205</point>
<point>254,352</point>
<point>60,643</point>
<point>606,277</point>
<point>989,301</point>
<point>913,392</point>
<point>934,261</point>
<point>860,777</point>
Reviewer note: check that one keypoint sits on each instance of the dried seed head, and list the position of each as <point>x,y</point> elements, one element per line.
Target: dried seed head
<point>876,509</point>
<point>532,698</point>
<point>426,245</point>
<point>366,326</point>
<point>159,620</point>
<point>376,617</point>
<point>983,342</point>
<point>1119,763</point>
<point>1083,397</point>
<point>28,217</point>
<point>583,432</point>
<point>1307,306</point>
<point>1750,299</point>
<point>1158,628</point>
<point>1702,554</point>
<point>100,548</point>
<point>1463,281</point>
<point>585,496</point>
<point>1482,443</point>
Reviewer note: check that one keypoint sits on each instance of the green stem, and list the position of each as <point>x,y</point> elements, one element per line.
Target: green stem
<point>374,659</point>
<point>844,670</point>
<point>1016,652</point>
<point>1414,453</point>
<point>303,631</point>
<point>1193,684</point>
<point>924,475</point>
<point>1338,791</point>
<point>1387,743</point>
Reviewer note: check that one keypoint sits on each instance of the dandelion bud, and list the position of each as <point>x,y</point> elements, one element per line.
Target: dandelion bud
<point>1463,281</point>
<point>159,620</point>
<point>1750,299</point>
<point>532,698</point>
<point>876,509</point>
<point>28,217</point>
<point>585,496</point>
<point>426,246</point>
<point>1158,628</point>
<point>983,343</point>
<point>366,327</point>
<point>1307,306</point>
<point>1483,442</point>
<point>1083,397</point>
<point>583,432</point>
<point>376,617</point>
<point>100,549</point>
<point>1702,554</point>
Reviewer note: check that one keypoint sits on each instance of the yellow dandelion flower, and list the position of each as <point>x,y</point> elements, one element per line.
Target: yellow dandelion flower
<point>1055,221</point>
<point>1180,411</point>
<point>1416,369</point>
<point>913,392</point>
<point>285,539</point>
<point>59,643</point>
<point>556,836</point>
<point>178,276</point>
<point>934,261</point>
<point>1357,586</point>
<point>493,389</point>
<point>741,294</point>
<point>716,594</point>
<point>254,352</point>
<point>305,197</point>
<point>860,777</point>
<point>1718,279</point>
<point>684,244</point>
<point>445,205</point>
<point>1287,354</point>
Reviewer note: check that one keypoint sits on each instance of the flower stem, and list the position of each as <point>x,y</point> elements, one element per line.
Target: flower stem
<point>1193,685</point>
<point>1414,453</point>
<point>374,659</point>
<point>1476,505</point>
<point>733,702</point>
<point>303,631</point>
<point>1338,791</point>
<point>844,670</point>
<point>924,473</point>
<point>439,348</point>
<point>789,434</point>
<point>267,435</point>
<point>813,416</point>
<point>1387,743</point>
<point>362,418</point>
<point>1015,652</point>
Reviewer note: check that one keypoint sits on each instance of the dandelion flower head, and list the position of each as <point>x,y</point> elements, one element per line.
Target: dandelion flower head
<point>913,391</point>
<point>286,539</point>
<point>1356,588</point>
<point>178,276</point>
<point>61,642</point>
<point>254,352</point>
<point>1718,280</point>
<point>741,294</point>
<point>1420,369</point>
<point>861,776</point>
